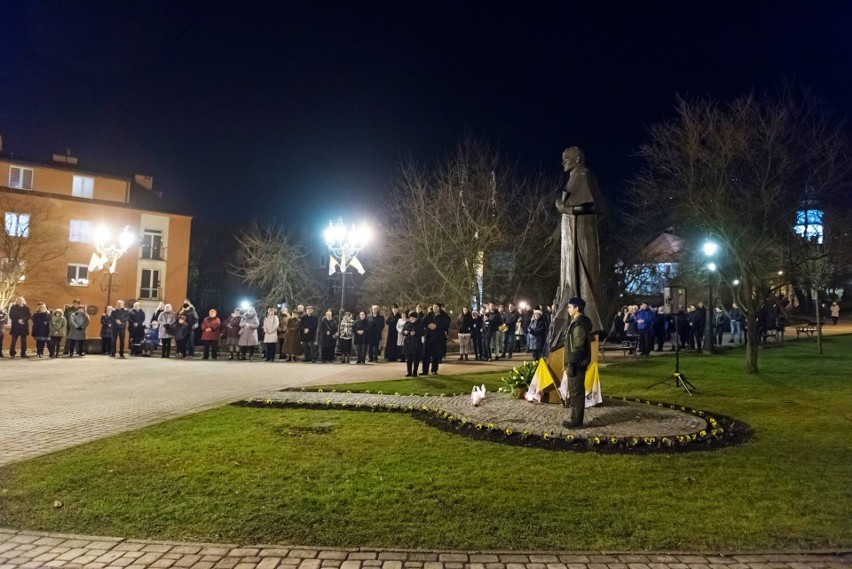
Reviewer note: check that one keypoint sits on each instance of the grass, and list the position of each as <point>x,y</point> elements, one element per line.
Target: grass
<point>343,478</point>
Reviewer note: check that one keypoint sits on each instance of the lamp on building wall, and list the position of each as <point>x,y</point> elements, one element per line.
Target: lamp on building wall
<point>109,249</point>
<point>344,244</point>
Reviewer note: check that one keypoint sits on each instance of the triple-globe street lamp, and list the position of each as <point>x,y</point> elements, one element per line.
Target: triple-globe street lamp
<point>344,244</point>
<point>109,248</point>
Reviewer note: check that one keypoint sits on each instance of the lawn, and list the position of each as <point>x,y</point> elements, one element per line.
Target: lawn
<point>346,478</point>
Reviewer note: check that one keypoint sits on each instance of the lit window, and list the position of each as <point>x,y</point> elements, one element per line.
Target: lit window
<point>17,224</point>
<point>84,187</point>
<point>809,224</point>
<point>81,231</point>
<point>78,275</point>
<point>21,178</point>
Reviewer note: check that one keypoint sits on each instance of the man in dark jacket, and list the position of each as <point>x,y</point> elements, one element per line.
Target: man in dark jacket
<point>697,321</point>
<point>437,325</point>
<point>578,356</point>
<point>645,325</point>
<point>19,316</point>
<point>377,326</point>
<point>308,334</point>
<point>4,319</point>
<point>510,319</point>
<point>119,327</point>
<point>192,320</point>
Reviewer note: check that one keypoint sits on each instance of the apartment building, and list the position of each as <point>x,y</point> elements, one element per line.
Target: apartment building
<point>53,213</point>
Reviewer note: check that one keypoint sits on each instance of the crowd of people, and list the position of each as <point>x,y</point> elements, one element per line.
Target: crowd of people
<point>416,336</point>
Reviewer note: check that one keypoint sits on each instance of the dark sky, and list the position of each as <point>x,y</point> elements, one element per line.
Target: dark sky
<point>302,110</point>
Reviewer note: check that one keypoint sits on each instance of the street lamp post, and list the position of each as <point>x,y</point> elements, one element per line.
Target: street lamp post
<point>108,252</point>
<point>344,244</point>
<point>710,249</point>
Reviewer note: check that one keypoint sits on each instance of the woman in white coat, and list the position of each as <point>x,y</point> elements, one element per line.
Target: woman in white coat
<point>248,333</point>
<point>166,320</point>
<point>270,334</point>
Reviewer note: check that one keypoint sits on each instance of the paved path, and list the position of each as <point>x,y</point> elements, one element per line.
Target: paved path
<point>34,550</point>
<point>48,405</point>
<point>615,419</point>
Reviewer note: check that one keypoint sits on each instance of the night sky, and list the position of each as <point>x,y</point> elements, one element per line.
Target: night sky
<point>302,110</point>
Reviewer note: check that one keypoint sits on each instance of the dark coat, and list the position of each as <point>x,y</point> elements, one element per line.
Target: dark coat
<point>697,320</point>
<point>413,337</point>
<point>465,323</point>
<point>120,316</point>
<point>106,326</point>
<point>327,332</point>
<point>41,325</point>
<point>364,326</point>
<point>136,322</point>
<point>495,320</point>
<point>510,319</point>
<point>310,322</point>
<point>437,339</point>
<point>476,325</point>
<point>18,314</point>
<point>578,343</point>
<point>391,348</point>
<point>377,326</point>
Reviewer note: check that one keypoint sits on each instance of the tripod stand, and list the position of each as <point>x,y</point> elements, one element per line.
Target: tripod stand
<point>678,379</point>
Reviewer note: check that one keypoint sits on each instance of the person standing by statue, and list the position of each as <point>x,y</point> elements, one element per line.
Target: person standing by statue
<point>578,356</point>
<point>580,276</point>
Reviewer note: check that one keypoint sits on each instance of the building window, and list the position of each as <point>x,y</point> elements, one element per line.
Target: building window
<point>149,288</point>
<point>81,231</point>
<point>152,245</point>
<point>809,224</point>
<point>78,275</point>
<point>84,187</point>
<point>17,224</point>
<point>21,178</point>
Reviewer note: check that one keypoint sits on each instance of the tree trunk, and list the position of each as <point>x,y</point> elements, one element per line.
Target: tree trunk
<point>752,342</point>
<point>818,321</point>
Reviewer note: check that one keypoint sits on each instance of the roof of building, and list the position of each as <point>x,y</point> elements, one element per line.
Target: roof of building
<point>664,248</point>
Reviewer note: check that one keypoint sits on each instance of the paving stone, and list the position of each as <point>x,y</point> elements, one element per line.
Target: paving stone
<point>371,563</point>
<point>719,560</point>
<point>576,566</point>
<point>515,566</point>
<point>109,557</point>
<point>331,563</point>
<point>123,562</point>
<point>634,566</point>
<point>658,566</point>
<point>556,566</point>
<point>393,556</point>
<point>514,558</point>
<point>457,557</point>
<point>245,552</point>
<point>539,558</point>
<point>101,544</point>
<point>601,559</point>
<point>597,566</point>
<point>413,565</point>
<point>269,562</point>
<point>129,546</point>
<point>484,558</point>
<point>574,558</point>
<point>53,541</point>
<point>310,563</point>
<point>273,552</point>
<point>227,563</point>
<point>188,560</point>
<point>45,557</point>
<point>424,557</point>
<point>433,565</point>
<point>474,566</point>
<point>632,558</point>
<point>163,563</point>
<point>495,566</point>
<point>157,548</point>
<point>362,555</point>
<point>454,565</point>
<point>656,558</point>
<point>243,565</point>
<point>202,565</point>
<point>23,539</point>
<point>303,553</point>
<point>220,551</point>
<point>148,557</point>
<point>536,566</point>
<point>351,564</point>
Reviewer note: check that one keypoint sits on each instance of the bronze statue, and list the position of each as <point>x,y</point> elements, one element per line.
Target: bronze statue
<point>580,205</point>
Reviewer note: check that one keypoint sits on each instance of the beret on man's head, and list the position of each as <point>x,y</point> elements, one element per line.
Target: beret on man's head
<point>578,302</point>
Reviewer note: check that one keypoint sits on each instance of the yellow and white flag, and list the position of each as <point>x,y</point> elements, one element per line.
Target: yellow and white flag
<point>332,263</point>
<point>357,264</point>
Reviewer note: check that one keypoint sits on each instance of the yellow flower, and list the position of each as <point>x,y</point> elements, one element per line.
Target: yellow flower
<point>319,390</point>
<point>479,426</point>
<point>703,433</point>
<point>490,426</point>
<point>508,431</point>
<point>597,440</point>
<point>545,436</point>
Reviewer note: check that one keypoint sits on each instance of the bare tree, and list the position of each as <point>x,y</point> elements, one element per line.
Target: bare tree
<point>31,239</point>
<point>458,223</point>
<point>274,263</point>
<point>737,173</point>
